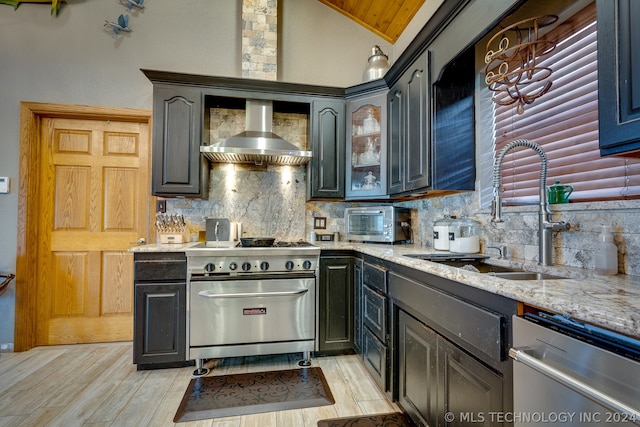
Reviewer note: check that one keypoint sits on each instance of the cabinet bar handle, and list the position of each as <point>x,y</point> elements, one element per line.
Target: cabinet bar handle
<point>210,294</point>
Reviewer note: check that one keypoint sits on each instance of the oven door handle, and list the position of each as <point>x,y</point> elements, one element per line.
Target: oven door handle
<point>519,355</point>
<point>209,294</point>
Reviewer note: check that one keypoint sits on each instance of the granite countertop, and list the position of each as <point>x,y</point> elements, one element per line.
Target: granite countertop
<point>612,302</point>
<point>168,247</point>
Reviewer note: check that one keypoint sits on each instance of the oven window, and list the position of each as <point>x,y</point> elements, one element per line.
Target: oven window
<point>366,224</point>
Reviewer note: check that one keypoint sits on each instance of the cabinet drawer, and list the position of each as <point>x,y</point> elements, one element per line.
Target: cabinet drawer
<point>479,329</point>
<point>374,277</point>
<point>375,312</point>
<point>170,266</point>
<point>375,357</point>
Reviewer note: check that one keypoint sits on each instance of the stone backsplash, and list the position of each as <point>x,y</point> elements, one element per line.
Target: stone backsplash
<point>269,201</point>
<point>575,247</point>
<point>272,202</point>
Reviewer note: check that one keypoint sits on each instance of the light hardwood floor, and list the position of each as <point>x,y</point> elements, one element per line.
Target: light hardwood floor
<point>97,385</point>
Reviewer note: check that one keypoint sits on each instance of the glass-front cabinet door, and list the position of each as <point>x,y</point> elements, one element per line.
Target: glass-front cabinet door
<point>367,146</point>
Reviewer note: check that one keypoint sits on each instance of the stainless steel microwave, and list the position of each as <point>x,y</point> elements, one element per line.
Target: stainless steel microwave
<point>378,224</point>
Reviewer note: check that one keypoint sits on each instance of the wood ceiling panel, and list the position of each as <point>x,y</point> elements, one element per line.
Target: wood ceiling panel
<point>377,13</point>
<point>387,18</point>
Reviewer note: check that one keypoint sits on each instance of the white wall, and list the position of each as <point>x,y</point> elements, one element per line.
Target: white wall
<point>74,59</point>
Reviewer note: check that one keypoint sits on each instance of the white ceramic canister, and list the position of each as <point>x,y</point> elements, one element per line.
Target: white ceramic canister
<point>464,236</point>
<point>441,233</point>
<point>233,231</point>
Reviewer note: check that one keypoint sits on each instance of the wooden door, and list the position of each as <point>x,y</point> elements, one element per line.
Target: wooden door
<point>94,181</point>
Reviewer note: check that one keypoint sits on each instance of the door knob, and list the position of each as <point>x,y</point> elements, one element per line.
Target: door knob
<point>141,241</point>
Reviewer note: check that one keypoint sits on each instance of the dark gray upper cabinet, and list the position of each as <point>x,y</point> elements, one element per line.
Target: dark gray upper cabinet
<point>395,177</point>
<point>408,127</point>
<point>417,126</point>
<point>453,125</point>
<point>619,76</point>
<point>366,133</point>
<point>177,166</point>
<point>327,166</point>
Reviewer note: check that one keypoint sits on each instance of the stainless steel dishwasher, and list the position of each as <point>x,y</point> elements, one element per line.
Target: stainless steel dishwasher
<point>570,373</point>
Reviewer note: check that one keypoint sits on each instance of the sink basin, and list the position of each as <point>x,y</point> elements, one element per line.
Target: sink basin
<point>477,263</point>
<point>470,262</point>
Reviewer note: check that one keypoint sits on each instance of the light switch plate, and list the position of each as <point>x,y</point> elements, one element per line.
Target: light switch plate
<point>4,184</point>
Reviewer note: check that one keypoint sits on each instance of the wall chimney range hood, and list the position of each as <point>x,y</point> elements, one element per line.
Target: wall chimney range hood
<point>257,144</point>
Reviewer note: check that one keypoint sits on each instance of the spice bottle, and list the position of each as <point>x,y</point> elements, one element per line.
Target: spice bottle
<point>606,253</point>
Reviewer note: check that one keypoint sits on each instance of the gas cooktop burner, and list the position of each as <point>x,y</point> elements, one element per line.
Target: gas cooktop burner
<point>281,244</point>
<point>298,244</point>
<point>280,257</point>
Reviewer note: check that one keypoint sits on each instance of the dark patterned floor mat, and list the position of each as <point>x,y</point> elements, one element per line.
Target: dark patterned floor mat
<point>395,419</point>
<point>241,394</point>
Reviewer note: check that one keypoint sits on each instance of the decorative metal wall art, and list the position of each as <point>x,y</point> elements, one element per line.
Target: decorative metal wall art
<point>511,66</point>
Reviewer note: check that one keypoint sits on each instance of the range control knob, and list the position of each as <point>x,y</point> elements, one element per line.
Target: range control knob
<point>233,266</point>
<point>264,266</point>
<point>210,268</point>
<point>306,265</point>
<point>289,265</point>
<point>246,266</point>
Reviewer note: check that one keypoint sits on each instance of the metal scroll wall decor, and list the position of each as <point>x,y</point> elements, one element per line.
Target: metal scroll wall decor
<point>511,62</point>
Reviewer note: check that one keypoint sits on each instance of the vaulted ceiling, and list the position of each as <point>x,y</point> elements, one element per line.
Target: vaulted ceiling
<point>386,18</point>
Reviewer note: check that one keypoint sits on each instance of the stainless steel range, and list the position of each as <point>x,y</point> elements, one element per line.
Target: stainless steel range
<point>245,301</point>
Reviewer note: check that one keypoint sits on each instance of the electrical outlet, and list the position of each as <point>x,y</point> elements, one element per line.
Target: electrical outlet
<point>161,206</point>
<point>4,184</point>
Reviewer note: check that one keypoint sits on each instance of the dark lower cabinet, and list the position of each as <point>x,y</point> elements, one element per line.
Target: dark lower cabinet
<point>451,366</point>
<point>437,378</point>
<point>374,311</point>
<point>375,357</point>
<point>375,322</point>
<point>357,315</point>
<point>417,369</point>
<point>160,323</point>
<point>471,391</point>
<point>336,305</point>
<point>160,298</point>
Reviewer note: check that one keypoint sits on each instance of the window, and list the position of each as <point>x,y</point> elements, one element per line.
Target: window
<point>564,122</point>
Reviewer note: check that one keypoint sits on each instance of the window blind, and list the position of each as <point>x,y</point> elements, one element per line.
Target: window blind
<point>564,122</point>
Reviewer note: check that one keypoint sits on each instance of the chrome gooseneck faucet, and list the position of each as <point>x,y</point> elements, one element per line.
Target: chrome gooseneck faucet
<point>546,227</point>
